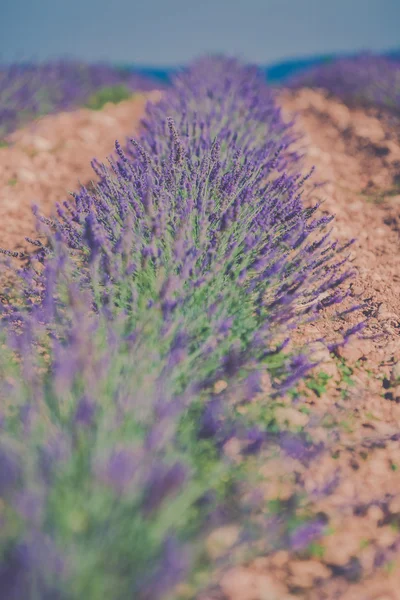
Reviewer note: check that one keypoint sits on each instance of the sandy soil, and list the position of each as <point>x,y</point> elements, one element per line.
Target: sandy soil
<point>49,158</point>
<point>357,415</point>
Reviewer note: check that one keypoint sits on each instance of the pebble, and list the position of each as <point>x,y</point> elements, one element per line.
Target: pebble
<point>384,313</point>
<point>232,449</point>
<point>26,175</point>
<point>375,513</point>
<point>280,559</point>
<point>351,352</point>
<point>305,572</point>
<point>387,536</point>
<point>88,134</point>
<point>221,540</point>
<point>395,505</point>
<point>266,383</point>
<point>101,117</point>
<point>42,144</point>
<point>331,369</point>
<point>319,352</point>
<point>340,548</point>
<point>356,349</point>
<point>357,289</point>
<point>220,386</point>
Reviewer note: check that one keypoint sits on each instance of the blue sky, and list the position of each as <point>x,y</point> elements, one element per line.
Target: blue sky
<point>171,32</point>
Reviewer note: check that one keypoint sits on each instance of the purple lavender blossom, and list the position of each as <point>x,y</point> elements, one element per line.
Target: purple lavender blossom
<point>305,534</point>
<point>11,469</point>
<point>162,481</point>
<point>365,79</point>
<point>36,89</point>
<point>171,571</point>
<point>119,469</point>
<point>85,412</point>
<point>297,447</point>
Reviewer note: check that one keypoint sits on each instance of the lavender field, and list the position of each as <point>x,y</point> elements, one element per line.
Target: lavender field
<point>151,344</point>
<point>28,91</point>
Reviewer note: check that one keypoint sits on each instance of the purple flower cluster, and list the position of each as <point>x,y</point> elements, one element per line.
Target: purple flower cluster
<point>190,262</point>
<point>31,90</point>
<point>365,79</point>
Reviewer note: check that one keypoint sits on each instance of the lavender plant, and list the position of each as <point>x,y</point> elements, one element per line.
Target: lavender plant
<point>31,90</point>
<point>189,263</point>
<point>365,79</point>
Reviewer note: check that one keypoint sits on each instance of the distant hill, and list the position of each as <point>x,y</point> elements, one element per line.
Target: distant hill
<point>278,72</point>
<point>274,73</point>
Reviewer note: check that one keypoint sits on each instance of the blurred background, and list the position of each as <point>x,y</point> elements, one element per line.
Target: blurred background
<point>157,36</point>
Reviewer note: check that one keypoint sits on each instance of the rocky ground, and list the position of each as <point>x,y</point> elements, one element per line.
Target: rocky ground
<point>352,403</point>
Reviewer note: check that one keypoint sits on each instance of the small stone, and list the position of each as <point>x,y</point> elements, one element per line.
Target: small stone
<point>261,564</point>
<point>42,144</point>
<point>330,368</point>
<point>319,352</point>
<point>380,231</point>
<point>356,349</point>
<point>356,207</point>
<point>395,505</point>
<point>352,353</point>
<point>88,134</point>
<point>305,572</point>
<point>221,540</point>
<point>220,386</point>
<point>387,536</point>
<point>103,118</point>
<point>232,449</point>
<point>346,489</point>
<point>280,559</point>
<point>266,384</point>
<point>392,350</point>
<point>26,175</point>
<point>384,313</point>
<point>357,289</point>
<point>375,513</point>
<point>340,548</point>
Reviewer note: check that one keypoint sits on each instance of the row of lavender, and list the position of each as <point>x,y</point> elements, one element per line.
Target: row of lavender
<point>31,90</point>
<point>365,79</point>
<point>161,305</point>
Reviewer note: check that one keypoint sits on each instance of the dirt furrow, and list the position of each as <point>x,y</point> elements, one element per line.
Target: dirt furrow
<point>52,156</point>
<point>353,404</point>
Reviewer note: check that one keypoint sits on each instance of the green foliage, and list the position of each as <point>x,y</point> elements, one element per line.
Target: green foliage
<point>390,567</point>
<point>316,550</point>
<point>113,94</point>
<point>317,383</point>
